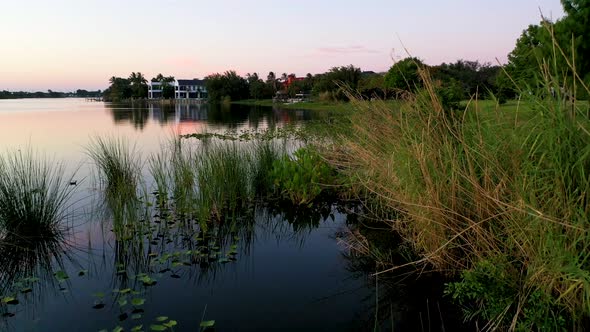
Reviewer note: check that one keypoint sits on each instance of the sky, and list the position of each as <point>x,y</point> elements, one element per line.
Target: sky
<point>67,45</point>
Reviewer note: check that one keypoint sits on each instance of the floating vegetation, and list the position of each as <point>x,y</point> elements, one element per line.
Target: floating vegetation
<point>269,134</point>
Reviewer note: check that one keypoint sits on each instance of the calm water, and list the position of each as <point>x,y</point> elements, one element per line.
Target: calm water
<point>290,272</point>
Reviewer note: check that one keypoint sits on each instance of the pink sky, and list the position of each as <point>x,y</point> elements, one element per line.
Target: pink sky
<point>65,45</point>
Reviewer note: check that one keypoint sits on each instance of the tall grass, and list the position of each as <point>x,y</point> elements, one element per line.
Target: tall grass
<point>183,177</point>
<point>264,154</point>
<point>118,164</point>
<point>499,202</point>
<point>223,175</point>
<point>33,191</point>
<point>119,173</point>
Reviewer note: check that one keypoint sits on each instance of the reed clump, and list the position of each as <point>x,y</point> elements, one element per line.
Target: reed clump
<point>118,164</point>
<point>497,201</point>
<point>34,192</point>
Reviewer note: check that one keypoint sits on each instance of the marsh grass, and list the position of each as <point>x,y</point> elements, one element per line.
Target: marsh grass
<point>119,174</point>
<point>34,192</point>
<point>159,170</point>
<point>183,177</point>
<point>498,201</point>
<point>223,175</point>
<point>264,155</point>
<point>118,165</point>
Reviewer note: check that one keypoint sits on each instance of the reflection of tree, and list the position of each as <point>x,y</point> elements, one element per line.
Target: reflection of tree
<point>228,116</point>
<point>134,113</point>
<point>408,299</point>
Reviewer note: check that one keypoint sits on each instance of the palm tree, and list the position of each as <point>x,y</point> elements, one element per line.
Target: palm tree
<point>138,84</point>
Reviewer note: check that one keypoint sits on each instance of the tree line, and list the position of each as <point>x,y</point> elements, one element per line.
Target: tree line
<point>5,94</point>
<point>462,79</point>
<point>456,81</point>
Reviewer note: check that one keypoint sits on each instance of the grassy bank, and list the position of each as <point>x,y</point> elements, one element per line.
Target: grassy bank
<point>308,105</point>
<point>495,196</point>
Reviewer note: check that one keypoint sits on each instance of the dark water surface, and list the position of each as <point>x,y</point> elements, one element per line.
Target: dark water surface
<point>289,271</point>
<point>287,276</point>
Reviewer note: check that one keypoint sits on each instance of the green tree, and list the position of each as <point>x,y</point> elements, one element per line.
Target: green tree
<point>404,76</point>
<point>258,89</point>
<point>472,77</point>
<point>167,87</point>
<point>271,82</point>
<point>536,44</point>
<point>337,81</point>
<point>227,85</point>
<point>372,85</point>
<point>119,89</point>
<point>139,88</point>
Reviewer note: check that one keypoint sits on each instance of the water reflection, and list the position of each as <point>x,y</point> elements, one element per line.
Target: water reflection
<point>230,116</point>
<point>31,252</point>
<point>407,299</point>
<point>32,264</point>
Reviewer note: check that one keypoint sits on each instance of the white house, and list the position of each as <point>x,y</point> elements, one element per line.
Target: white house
<point>183,89</point>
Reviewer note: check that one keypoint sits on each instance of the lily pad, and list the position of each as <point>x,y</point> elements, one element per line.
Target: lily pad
<point>10,300</point>
<point>61,275</point>
<point>122,302</point>
<point>158,327</point>
<point>171,324</point>
<point>162,318</point>
<point>137,302</point>
<point>208,323</point>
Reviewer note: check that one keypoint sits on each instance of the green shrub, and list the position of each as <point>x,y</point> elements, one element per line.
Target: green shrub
<point>302,177</point>
<point>490,291</point>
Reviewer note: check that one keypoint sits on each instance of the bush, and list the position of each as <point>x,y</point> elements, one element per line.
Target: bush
<point>303,177</point>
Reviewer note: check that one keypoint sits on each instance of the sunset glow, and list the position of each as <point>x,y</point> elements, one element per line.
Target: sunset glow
<point>66,45</point>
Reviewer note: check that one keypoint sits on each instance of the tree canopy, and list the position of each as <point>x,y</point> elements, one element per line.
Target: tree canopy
<point>403,75</point>
<point>227,85</point>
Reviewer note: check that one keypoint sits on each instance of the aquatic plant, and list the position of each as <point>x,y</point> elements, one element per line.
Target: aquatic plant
<point>223,175</point>
<point>159,170</point>
<point>302,177</point>
<point>183,178</point>
<point>264,155</point>
<point>33,191</point>
<point>118,165</point>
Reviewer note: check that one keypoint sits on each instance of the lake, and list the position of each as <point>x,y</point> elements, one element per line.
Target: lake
<point>279,268</point>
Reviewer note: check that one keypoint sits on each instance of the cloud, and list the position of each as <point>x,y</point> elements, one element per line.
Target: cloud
<point>346,50</point>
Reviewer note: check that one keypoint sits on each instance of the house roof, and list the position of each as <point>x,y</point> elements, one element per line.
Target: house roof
<point>191,82</point>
